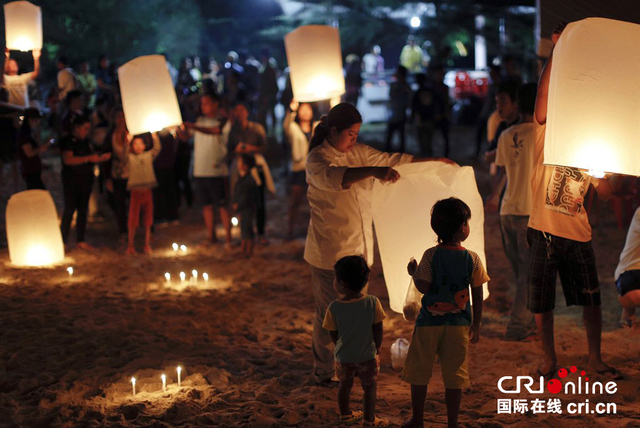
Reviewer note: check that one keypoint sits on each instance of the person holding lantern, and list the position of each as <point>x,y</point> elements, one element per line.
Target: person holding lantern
<point>17,84</point>
<point>78,161</point>
<point>559,237</point>
<point>340,174</point>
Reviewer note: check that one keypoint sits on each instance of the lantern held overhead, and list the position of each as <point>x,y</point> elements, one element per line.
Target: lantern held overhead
<point>148,98</point>
<point>402,220</point>
<point>23,26</point>
<point>594,92</point>
<point>33,233</point>
<point>315,63</point>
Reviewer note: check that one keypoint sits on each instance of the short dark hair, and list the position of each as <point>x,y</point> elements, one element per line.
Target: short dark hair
<point>352,272</point>
<point>212,96</point>
<point>510,88</point>
<point>447,216</point>
<point>248,160</point>
<point>63,59</point>
<point>80,120</point>
<point>527,98</point>
<point>72,95</point>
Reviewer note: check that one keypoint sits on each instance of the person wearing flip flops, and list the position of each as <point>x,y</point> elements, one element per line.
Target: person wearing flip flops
<point>559,237</point>
<point>354,322</point>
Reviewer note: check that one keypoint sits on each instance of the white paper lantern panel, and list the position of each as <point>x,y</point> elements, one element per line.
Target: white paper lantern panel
<point>149,100</point>
<point>315,63</point>
<point>33,232</point>
<point>593,111</point>
<point>402,218</point>
<point>23,26</point>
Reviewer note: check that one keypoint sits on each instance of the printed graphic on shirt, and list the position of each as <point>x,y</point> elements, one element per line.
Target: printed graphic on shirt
<point>566,190</point>
<point>517,145</point>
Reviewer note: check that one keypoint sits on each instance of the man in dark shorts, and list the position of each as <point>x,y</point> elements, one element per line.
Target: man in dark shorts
<point>559,237</point>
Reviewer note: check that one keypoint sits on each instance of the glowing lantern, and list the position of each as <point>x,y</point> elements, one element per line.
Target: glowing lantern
<point>148,98</point>
<point>23,26</point>
<point>33,233</point>
<point>315,63</point>
<point>593,110</point>
<point>402,218</point>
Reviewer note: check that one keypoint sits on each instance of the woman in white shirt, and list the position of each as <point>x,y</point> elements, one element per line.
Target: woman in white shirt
<point>340,173</point>
<point>298,126</point>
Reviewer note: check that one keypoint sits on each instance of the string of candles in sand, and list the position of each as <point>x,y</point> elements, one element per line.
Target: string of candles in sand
<point>183,277</point>
<point>179,248</point>
<point>163,377</point>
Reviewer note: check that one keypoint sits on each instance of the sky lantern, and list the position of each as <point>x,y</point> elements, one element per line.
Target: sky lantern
<point>23,26</point>
<point>148,98</point>
<point>315,63</point>
<point>594,92</point>
<point>33,232</point>
<point>402,219</point>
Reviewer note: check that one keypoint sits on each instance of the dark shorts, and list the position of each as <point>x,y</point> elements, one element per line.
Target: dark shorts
<point>628,281</point>
<point>575,262</point>
<point>366,371</point>
<point>299,178</point>
<point>213,191</point>
<point>247,219</point>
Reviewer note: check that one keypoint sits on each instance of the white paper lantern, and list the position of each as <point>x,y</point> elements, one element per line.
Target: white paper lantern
<point>593,109</point>
<point>402,218</point>
<point>23,26</point>
<point>148,98</point>
<point>315,63</point>
<point>33,232</point>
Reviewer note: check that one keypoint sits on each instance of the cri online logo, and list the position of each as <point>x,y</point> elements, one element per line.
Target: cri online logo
<point>554,386</point>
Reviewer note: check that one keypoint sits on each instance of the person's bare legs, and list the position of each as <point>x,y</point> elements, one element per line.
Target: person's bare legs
<point>297,193</point>
<point>344,395</point>
<point>208,217</point>
<point>544,322</point>
<point>629,302</point>
<point>369,401</point>
<point>452,397</point>
<point>226,223</point>
<point>418,397</point>
<point>592,317</point>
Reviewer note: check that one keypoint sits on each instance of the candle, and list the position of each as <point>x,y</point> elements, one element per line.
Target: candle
<point>183,248</point>
<point>179,370</point>
<point>183,276</point>
<point>175,246</point>
<point>234,221</point>
<point>194,275</point>
<point>70,270</point>
<point>133,383</point>
<point>167,276</point>
<point>164,382</point>
<point>205,276</point>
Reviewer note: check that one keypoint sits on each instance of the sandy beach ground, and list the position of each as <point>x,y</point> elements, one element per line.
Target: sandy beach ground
<point>69,345</point>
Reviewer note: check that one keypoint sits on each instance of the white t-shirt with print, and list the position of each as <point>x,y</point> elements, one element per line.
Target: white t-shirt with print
<point>515,154</point>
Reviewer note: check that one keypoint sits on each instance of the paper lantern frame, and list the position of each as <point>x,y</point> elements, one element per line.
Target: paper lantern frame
<point>149,99</point>
<point>315,63</point>
<point>33,232</point>
<point>594,98</point>
<point>23,26</point>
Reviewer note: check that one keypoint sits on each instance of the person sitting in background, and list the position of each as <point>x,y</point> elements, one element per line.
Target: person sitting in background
<point>244,201</point>
<point>30,149</point>
<point>400,94</point>
<point>141,180</point>
<point>627,275</point>
<point>18,84</point>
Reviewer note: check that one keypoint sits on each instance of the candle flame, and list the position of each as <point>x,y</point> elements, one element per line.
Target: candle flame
<point>175,246</point>
<point>183,247</point>
<point>167,276</point>
<point>70,270</point>
<point>205,276</point>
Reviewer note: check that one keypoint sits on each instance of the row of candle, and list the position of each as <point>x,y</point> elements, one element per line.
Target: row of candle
<point>183,276</point>
<point>164,380</point>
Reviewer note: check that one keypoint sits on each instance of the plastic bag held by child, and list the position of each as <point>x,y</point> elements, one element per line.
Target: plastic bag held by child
<point>412,302</point>
<point>399,350</point>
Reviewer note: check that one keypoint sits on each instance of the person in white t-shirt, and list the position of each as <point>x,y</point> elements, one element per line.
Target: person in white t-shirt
<point>66,78</point>
<point>210,167</point>
<point>515,159</point>
<point>340,174</point>
<point>627,275</point>
<point>18,84</point>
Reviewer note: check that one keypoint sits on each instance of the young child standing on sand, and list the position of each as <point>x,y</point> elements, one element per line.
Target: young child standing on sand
<point>244,201</point>
<point>141,180</point>
<point>355,324</point>
<point>445,325</point>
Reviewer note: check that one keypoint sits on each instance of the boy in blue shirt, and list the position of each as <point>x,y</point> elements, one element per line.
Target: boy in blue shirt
<point>355,324</point>
<point>445,325</point>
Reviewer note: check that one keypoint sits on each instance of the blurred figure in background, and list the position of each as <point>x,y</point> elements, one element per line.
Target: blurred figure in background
<point>400,95</point>
<point>411,56</point>
<point>373,62</point>
<point>352,79</point>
